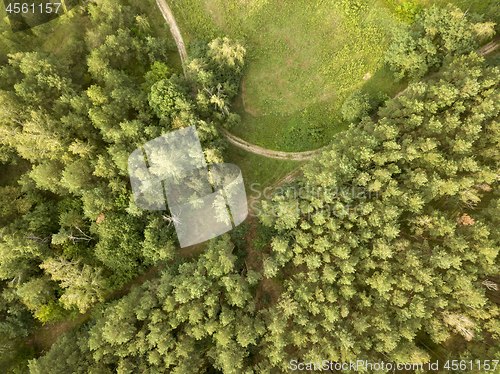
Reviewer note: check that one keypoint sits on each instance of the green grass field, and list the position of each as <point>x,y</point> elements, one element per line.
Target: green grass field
<point>304,59</point>
<point>259,172</point>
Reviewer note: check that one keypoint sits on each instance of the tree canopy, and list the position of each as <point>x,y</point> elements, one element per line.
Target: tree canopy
<point>384,246</point>
<point>436,34</point>
<point>384,249</point>
<point>386,243</point>
<point>70,231</point>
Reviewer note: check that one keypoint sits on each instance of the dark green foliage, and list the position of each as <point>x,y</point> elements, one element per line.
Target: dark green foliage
<point>158,243</point>
<point>76,134</point>
<point>198,315</point>
<point>386,243</point>
<point>15,324</point>
<point>167,99</point>
<point>68,354</point>
<point>391,244</point>
<point>37,294</point>
<point>120,242</point>
<point>72,219</point>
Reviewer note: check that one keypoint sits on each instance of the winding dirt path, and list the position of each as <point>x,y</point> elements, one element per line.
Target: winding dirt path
<point>233,139</point>
<point>280,155</point>
<point>489,48</point>
<point>174,30</point>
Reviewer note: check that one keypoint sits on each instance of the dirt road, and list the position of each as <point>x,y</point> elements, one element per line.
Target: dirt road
<point>238,142</point>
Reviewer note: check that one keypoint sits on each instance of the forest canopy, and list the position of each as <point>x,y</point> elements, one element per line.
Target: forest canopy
<point>71,233</point>
<point>373,274</point>
<point>383,247</point>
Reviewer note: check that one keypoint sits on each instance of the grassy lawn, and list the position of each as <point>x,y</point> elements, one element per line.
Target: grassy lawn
<point>304,58</point>
<point>485,7</point>
<point>259,172</point>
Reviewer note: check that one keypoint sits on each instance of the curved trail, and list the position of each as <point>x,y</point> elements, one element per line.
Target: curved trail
<point>233,139</point>
<point>280,155</point>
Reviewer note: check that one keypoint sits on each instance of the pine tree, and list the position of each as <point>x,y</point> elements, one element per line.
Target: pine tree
<point>380,251</point>
<point>438,33</point>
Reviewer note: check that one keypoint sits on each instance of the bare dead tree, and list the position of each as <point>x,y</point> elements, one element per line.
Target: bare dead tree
<point>83,236</point>
<point>171,219</point>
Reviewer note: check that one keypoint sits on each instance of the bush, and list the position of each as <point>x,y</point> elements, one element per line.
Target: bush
<point>355,107</point>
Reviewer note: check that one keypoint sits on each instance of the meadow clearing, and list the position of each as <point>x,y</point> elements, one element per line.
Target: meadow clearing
<point>304,59</point>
